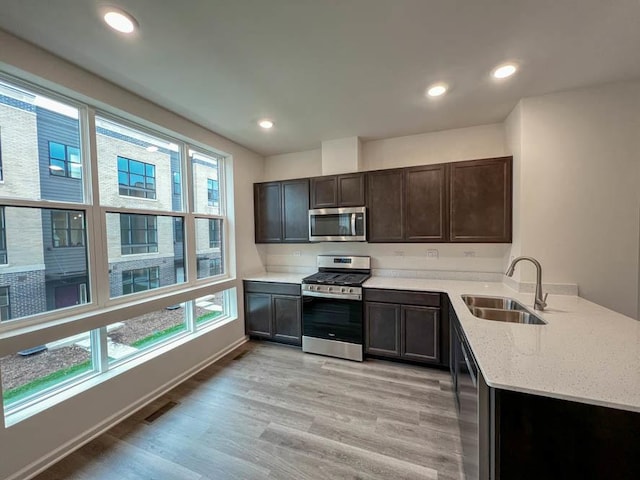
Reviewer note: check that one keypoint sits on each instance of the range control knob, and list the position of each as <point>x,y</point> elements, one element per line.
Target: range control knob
<point>351,290</point>
<point>343,290</point>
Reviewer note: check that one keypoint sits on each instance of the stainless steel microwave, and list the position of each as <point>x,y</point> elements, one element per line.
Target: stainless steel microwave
<point>338,224</point>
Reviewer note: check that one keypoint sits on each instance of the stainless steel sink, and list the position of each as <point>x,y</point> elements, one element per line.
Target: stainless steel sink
<point>511,316</point>
<point>493,302</point>
<point>501,309</point>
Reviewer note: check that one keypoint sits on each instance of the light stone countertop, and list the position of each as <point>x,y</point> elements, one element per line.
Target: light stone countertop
<point>276,277</point>
<point>585,352</point>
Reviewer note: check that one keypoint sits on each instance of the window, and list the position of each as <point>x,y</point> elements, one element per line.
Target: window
<point>64,160</point>
<point>215,227</point>
<point>177,187</point>
<point>212,192</point>
<point>1,174</point>
<point>38,371</point>
<point>3,238</point>
<point>5,311</point>
<point>67,229</point>
<point>140,279</point>
<point>136,179</point>
<point>142,249</point>
<point>138,234</point>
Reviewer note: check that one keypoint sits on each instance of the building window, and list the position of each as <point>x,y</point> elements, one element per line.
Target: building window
<point>213,192</point>
<point>67,228</point>
<point>64,160</point>
<point>140,279</point>
<point>1,174</point>
<point>138,233</point>
<point>3,238</point>
<point>136,179</point>
<point>5,309</point>
<point>178,230</point>
<point>215,231</point>
<point>210,267</point>
<point>177,186</point>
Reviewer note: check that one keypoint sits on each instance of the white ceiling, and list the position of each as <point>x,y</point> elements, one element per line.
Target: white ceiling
<point>326,69</point>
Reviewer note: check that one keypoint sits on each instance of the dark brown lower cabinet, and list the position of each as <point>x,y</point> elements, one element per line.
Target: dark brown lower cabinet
<point>406,325</point>
<point>273,311</point>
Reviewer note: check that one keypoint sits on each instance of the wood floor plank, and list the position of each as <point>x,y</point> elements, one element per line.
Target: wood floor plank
<point>268,411</point>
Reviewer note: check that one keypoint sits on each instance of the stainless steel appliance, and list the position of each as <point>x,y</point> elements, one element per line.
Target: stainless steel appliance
<point>332,307</point>
<point>338,224</point>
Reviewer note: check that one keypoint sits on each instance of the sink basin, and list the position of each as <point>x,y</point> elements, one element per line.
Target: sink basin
<point>500,309</point>
<point>493,302</point>
<point>511,316</point>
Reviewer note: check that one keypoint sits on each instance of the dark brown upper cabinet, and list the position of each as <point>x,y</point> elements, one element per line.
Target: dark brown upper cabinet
<point>282,211</point>
<point>480,201</point>
<point>338,191</point>
<point>425,195</point>
<point>408,205</point>
<point>385,202</point>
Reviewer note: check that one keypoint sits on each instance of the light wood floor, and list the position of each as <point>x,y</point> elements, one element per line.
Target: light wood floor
<point>268,411</point>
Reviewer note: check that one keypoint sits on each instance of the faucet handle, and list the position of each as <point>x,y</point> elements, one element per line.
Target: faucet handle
<point>545,297</point>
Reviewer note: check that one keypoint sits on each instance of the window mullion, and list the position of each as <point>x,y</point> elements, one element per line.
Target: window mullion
<point>96,217</point>
<point>189,225</point>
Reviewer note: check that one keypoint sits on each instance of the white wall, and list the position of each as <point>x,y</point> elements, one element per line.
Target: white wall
<point>293,165</point>
<point>580,190</point>
<point>25,443</point>
<point>399,259</point>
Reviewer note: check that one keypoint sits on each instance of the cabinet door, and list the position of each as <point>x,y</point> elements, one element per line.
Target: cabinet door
<point>480,201</point>
<point>324,192</point>
<point>287,319</point>
<point>258,314</point>
<point>386,206</point>
<point>351,190</point>
<point>382,329</point>
<point>268,212</point>
<point>425,193</point>
<point>295,211</point>
<point>420,333</point>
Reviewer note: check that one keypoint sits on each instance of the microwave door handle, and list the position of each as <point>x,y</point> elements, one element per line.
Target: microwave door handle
<point>353,224</point>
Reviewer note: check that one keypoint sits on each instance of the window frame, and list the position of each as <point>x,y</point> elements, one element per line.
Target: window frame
<point>146,190</point>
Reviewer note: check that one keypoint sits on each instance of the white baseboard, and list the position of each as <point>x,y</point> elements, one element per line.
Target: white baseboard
<point>74,444</point>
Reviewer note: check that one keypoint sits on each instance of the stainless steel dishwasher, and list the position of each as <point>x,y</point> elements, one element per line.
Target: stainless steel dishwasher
<point>465,381</point>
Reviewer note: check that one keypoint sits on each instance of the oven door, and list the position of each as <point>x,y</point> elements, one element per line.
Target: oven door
<point>338,225</point>
<point>332,319</point>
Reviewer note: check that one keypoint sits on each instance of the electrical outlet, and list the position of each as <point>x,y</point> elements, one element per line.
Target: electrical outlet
<point>432,253</point>
<point>469,253</point>
<point>296,253</point>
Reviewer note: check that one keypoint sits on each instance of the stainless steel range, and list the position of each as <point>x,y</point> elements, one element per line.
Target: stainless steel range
<point>332,308</point>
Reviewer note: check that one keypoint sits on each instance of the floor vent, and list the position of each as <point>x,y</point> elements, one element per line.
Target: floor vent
<point>159,412</point>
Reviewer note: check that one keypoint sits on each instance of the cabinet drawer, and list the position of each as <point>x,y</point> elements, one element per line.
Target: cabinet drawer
<point>404,297</point>
<point>272,287</point>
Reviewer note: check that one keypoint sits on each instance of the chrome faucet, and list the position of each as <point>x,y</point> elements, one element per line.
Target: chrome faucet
<point>540,301</point>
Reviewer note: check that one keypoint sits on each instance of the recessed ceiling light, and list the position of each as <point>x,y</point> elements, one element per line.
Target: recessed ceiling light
<point>437,90</point>
<point>266,123</point>
<point>504,71</point>
<point>120,20</point>
<point>152,148</point>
